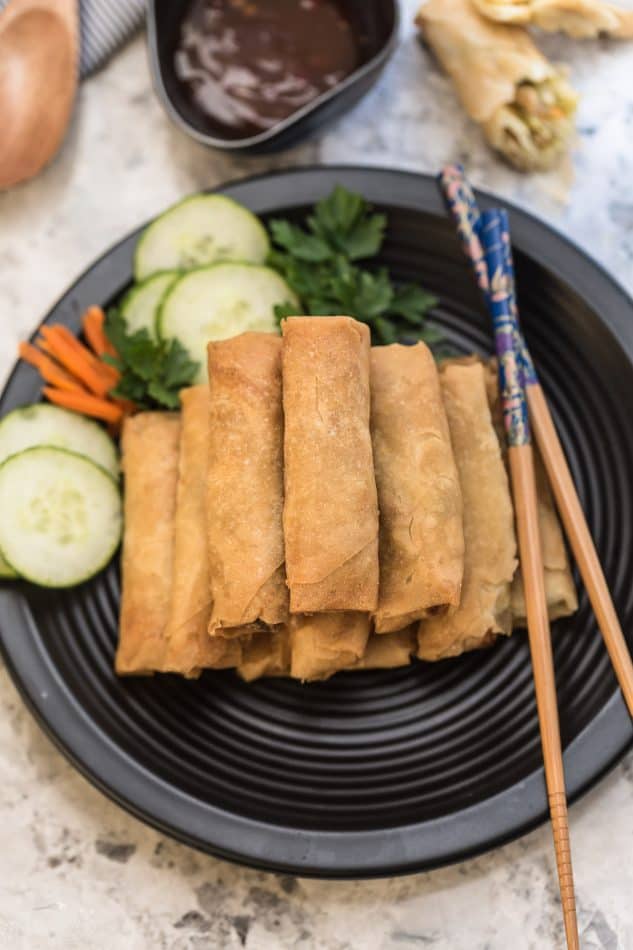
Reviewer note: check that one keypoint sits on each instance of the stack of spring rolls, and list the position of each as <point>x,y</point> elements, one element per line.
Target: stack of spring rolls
<point>323,506</point>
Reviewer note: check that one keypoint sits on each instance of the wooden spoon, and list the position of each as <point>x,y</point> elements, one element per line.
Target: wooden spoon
<point>38,81</point>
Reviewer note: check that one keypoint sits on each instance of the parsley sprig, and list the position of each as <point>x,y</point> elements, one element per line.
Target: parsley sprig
<point>319,263</point>
<point>152,371</point>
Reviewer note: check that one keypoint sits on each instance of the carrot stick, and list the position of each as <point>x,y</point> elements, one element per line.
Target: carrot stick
<point>48,369</point>
<point>86,404</point>
<point>126,405</point>
<point>107,371</point>
<point>98,377</point>
<point>92,323</point>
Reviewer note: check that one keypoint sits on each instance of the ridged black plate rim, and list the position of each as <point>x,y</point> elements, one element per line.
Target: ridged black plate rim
<point>409,847</point>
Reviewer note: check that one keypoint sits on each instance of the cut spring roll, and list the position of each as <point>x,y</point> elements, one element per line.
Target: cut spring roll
<point>322,644</point>
<point>189,648</point>
<point>245,485</point>
<point>560,592</point>
<point>490,543</point>
<point>581,19</point>
<point>150,465</point>
<point>267,654</point>
<point>421,533</point>
<point>523,103</point>
<point>330,512</point>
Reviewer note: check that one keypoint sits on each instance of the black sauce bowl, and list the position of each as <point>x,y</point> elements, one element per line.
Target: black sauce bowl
<point>377,21</point>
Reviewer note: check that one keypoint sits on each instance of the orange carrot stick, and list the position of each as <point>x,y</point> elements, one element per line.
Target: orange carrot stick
<point>92,323</point>
<point>48,369</point>
<point>107,371</point>
<point>86,404</point>
<point>78,360</point>
<point>126,405</point>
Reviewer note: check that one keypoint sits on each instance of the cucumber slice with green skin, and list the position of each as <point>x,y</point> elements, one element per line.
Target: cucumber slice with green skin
<point>43,424</point>
<point>60,516</point>
<point>139,307</point>
<point>200,230</point>
<point>213,303</point>
<point>6,570</point>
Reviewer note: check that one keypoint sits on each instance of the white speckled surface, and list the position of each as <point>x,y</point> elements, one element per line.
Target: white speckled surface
<point>76,871</point>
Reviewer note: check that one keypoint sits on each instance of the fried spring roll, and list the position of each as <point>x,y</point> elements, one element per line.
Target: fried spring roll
<point>523,103</point>
<point>322,644</point>
<point>562,600</point>
<point>267,654</point>
<point>421,533</point>
<point>222,653</point>
<point>150,465</point>
<point>490,543</point>
<point>330,512</point>
<point>245,485</point>
<point>581,19</point>
<point>389,650</point>
<point>189,648</point>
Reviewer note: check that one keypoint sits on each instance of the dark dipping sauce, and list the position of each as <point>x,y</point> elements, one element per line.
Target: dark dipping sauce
<point>249,64</point>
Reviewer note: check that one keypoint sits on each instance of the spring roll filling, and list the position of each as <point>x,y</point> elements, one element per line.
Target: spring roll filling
<point>536,126</point>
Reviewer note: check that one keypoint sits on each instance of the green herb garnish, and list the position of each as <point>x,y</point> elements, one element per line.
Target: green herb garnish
<point>152,371</point>
<point>319,264</point>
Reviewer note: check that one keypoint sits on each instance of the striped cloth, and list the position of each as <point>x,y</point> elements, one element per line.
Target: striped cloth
<point>105,26</point>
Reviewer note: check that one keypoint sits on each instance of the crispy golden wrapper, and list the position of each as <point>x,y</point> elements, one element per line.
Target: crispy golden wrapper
<point>322,644</point>
<point>330,512</point>
<point>490,543</point>
<point>245,485</point>
<point>581,19</point>
<point>421,533</point>
<point>149,443</point>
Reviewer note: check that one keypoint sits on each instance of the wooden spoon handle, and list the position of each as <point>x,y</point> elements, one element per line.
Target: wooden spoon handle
<point>39,45</point>
<point>65,10</point>
<point>69,11</point>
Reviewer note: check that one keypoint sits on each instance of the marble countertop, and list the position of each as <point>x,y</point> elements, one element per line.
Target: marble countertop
<point>78,872</point>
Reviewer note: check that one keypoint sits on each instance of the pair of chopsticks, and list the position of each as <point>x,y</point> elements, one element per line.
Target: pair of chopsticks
<point>463,207</point>
<point>485,239</point>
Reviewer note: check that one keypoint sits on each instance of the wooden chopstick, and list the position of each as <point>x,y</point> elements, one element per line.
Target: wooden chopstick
<point>526,510</point>
<point>580,539</point>
<point>463,206</point>
<point>495,242</point>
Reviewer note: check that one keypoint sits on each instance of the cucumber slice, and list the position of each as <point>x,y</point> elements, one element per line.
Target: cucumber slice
<point>213,303</point>
<point>60,516</point>
<point>43,424</point>
<point>140,304</point>
<point>200,230</point>
<point>5,569</point>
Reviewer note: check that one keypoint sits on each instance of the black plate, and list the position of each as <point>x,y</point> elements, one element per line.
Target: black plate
<point>370,773</point>
<point>377,21</point>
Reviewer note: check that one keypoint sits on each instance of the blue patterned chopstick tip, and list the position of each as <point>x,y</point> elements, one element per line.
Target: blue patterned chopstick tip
<point>462,205</point>
<point>525,360</point>
<point>494,232</point>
